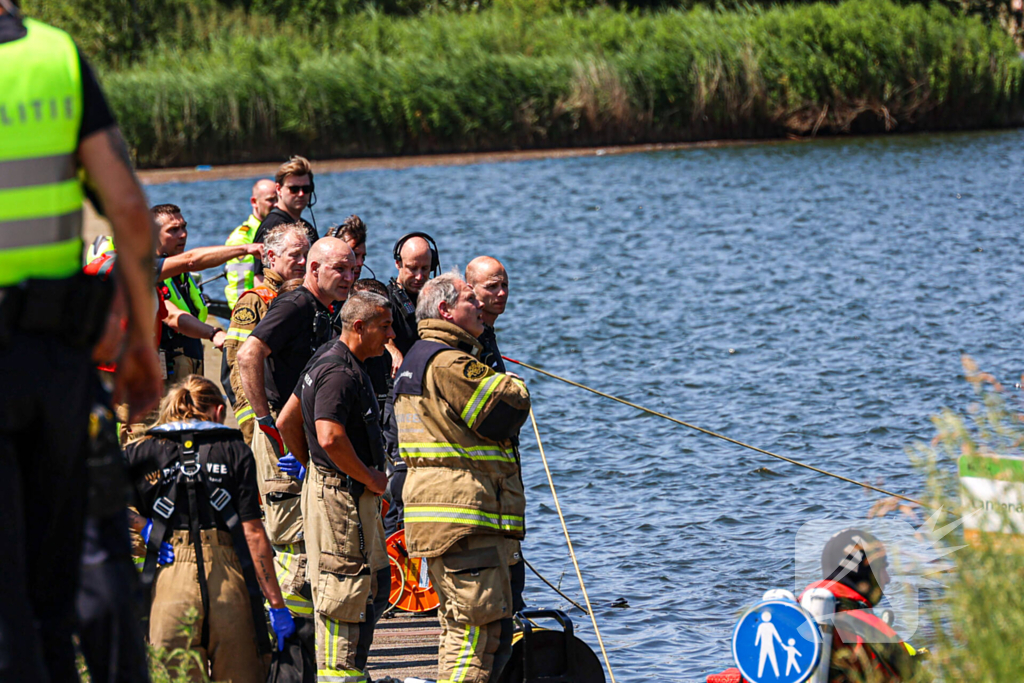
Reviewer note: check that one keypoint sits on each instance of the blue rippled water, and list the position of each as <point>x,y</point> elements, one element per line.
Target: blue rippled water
<point>809,298</point>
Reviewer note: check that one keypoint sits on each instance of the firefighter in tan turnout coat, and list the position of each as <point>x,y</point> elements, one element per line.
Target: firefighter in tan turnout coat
<point>464,499</point>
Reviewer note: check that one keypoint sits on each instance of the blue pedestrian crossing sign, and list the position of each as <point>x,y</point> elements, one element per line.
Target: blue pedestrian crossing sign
<point>777,641</point>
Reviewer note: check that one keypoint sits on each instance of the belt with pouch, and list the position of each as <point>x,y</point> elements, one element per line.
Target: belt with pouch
<point>73,309</point>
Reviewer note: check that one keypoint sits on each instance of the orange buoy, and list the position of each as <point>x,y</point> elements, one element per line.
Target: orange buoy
<point>410,585</point>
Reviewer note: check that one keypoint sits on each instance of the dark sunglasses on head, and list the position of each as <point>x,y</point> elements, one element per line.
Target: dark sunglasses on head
<point>296,189</point>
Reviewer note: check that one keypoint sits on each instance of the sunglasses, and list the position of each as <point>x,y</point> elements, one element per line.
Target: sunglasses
<point>297,189</point>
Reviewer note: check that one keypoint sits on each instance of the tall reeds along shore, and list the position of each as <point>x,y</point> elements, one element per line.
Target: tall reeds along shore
<point>231,87</point>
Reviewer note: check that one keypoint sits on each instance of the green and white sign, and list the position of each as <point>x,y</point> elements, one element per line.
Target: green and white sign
<point>993,488</point>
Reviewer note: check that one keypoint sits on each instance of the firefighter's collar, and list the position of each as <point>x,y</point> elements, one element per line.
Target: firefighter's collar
<point>272,279</point>
<point>450,334</point>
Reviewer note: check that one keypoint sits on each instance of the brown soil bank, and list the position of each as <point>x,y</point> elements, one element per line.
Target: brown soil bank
<point>497,81</point>
<point>157,176</point>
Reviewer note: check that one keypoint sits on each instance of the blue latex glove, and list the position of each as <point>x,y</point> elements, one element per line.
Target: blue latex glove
<point>282,623</point>
<point>291,466</point>
<point>166,553</point>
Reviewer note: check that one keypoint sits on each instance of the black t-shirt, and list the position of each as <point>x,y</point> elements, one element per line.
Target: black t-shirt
<point>340,392</point>
<point>294,327</point>
<point>378,369</point>
<point>96,113</point>
<point>226,462</point>
<point>403,310</point>
<point>273,219</point>
<point>491,356</point>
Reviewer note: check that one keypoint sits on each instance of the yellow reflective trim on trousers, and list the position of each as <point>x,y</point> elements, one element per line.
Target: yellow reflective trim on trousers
<point>330,675</point>
<point>465,656</point>
<point>47,262</point>
<point>297,604</point>
<point>332,642</point>
<point>479,399</point>
<point>443,449</point>
<point>244,415</point>
<point>237,334</point>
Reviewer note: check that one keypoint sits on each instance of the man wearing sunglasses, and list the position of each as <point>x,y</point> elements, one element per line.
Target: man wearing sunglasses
<point>294,189</point>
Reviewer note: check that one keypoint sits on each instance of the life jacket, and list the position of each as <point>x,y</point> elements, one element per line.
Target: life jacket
<point>103,268</point>
<point>195,305</point>
<point>860,638</point>
<point>263,292</point>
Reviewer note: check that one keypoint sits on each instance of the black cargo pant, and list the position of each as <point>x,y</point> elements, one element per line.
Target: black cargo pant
<point>45,400</point>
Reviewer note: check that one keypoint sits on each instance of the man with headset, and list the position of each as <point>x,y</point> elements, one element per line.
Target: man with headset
<point>417,260</point>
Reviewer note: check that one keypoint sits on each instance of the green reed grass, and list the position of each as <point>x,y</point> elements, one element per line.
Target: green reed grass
<point>979,618</point>
<point>235,87</point>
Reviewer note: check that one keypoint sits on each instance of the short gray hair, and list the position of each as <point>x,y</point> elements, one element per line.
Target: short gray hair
<point>276,236</point>
<point>441,288</point>
<point>365,306</point>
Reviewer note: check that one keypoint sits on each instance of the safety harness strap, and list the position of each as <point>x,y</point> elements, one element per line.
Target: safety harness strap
<point>192,461</point>
<point>190,469</point>
<point>220,501</point>
<point>163,509</point>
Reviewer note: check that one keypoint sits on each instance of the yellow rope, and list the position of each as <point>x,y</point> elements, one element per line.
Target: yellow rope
<point>572,553</point>
<point>716,434</point>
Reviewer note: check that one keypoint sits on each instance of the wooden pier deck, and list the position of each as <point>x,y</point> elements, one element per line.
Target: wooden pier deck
<point>405,645</point>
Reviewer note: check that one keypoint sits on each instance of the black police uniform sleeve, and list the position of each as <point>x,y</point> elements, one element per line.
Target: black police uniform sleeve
<point>96,114</point>
<point>336,395</point>
<point>275,329</point>
<point>248,503</point>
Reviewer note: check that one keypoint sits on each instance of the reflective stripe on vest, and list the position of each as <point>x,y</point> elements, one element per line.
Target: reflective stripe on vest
<point>240,271</point>
<point>40,196</point>
<point>411,452</point>
<point>453,514</point>
<point>196,306</point>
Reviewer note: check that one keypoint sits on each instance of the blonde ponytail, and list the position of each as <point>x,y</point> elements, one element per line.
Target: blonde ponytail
<point>194,398</point>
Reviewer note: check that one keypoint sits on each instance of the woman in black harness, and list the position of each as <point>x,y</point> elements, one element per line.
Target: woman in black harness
<point>197,487</point>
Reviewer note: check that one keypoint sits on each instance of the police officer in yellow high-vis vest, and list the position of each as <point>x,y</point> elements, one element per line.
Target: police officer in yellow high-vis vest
<point>240,272</point>
<point>53,121</point>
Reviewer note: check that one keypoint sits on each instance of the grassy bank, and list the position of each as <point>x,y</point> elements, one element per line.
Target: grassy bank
<point>979,614</point>
<point>239,90</point>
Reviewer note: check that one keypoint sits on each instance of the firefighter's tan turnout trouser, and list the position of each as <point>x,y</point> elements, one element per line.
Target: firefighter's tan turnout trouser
<point>475,590</point>
<point>290,567</point>
<point>340,574</point>
<point>279,492</point>
<point>233,653</point>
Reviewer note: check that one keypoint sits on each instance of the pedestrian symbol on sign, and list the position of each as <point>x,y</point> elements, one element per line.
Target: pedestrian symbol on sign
<point>776,642</point>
